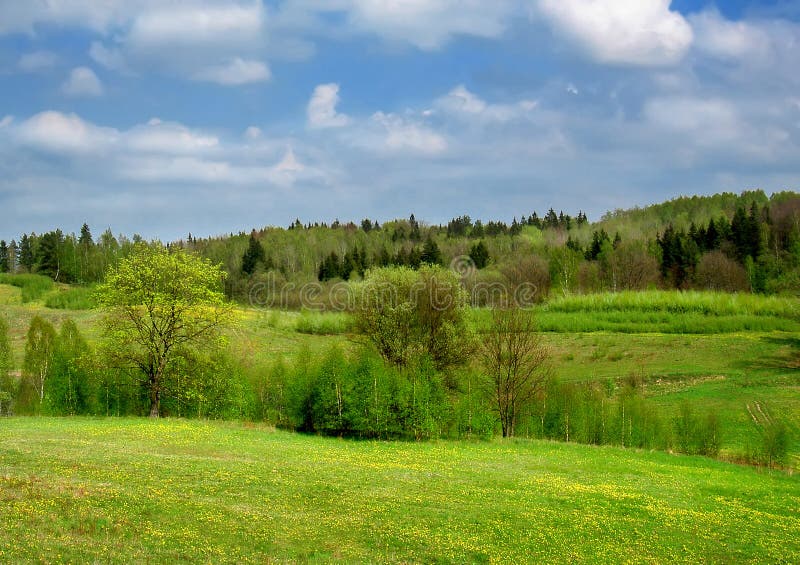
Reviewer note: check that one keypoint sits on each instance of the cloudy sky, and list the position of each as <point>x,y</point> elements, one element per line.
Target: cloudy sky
<point>162,117</point>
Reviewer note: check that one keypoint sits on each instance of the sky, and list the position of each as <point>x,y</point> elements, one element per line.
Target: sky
<point>164,117</point>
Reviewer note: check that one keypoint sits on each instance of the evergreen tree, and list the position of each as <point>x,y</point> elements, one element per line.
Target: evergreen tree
<point>25,253</point>
<point>431,253</point>
<point>477,230</point>
<point>253,255</point>
<point>5,264</point>
<point>48,254</point>
<point>479,253</point>
<point>85,240</point>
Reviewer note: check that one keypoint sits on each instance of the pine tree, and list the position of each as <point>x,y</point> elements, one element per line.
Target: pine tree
<point>48,254</point>
<point>85,240</point>
<point>479,253</point>
<point>253,255</point>
<point>25,252</point>
<point>5,264</point>
<point>431,253</point>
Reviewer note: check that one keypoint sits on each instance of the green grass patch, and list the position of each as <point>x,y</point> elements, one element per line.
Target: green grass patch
<point>33,286</point>
<point>324,323</point>
<point>71,298</point>
<point>83,490</point>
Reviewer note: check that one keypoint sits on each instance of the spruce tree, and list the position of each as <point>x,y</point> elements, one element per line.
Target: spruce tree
<point>253,255</point>
<point>479,254</point>
<point>431,253</point>
<point>5,264</point>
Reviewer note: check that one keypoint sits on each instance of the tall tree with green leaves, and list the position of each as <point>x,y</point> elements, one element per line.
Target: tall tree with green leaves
<point>7,387</point>
<point>159,302</point>
<point>70,389</point>
<point>37,366</point>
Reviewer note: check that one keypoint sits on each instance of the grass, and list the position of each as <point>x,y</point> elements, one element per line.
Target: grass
<point>83,490</point>
<point>33,286</point>
<point>71,298</point>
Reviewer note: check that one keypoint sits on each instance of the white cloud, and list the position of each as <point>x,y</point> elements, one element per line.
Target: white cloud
<point>82,82</point>
<point>462,103</point>
<point>429,24</point>
<point>640,32</point>
<point>108,57</point>
<point>174,169</point>
<point>37,61</point>
<point>321,111</point>
<point>402,135</point>
<point>252,133</point>
<point>169,138</point>
<point>65,133</point>
<point>6,121</point>
<point>235,73</point>
<point>192,24</point>
<point>289,163</point>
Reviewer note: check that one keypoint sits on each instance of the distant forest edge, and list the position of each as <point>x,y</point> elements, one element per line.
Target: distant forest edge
<point>748,242</point>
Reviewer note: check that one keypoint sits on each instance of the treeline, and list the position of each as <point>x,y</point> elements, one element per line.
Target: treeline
<point>359,395</point>
<point>747,242</point>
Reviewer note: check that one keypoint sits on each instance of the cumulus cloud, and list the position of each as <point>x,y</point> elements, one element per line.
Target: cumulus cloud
<point>82,82</point>
<point>37,61</point>
<point>643,33</point>
<point>110,58</point>
<point>403,135</point>
<point>169,138</point>
<point>235,73</point>
<point>65,133</point>
<point>429,24</point>
<point>321,110</point>
<point>192,24</point>
<point>462,103</point>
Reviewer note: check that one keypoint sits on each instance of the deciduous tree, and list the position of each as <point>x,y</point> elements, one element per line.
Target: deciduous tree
<point>159,302</point>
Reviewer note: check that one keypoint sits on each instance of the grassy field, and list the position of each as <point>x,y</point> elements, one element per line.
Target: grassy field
<point>84,490</point>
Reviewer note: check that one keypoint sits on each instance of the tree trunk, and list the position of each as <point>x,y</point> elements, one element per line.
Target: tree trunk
<point>155,402</point>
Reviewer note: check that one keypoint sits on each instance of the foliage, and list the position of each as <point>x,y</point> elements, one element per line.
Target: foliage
<point>37,367</point>
<point>160,302</point>
<point>71,389</point>
<point>406,314</point>
<point>7,385</point>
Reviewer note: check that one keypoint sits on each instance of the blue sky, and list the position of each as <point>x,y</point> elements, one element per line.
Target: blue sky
<point>164,117</point>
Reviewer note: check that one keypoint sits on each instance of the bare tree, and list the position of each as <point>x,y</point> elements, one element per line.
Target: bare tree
<point>515,358</point>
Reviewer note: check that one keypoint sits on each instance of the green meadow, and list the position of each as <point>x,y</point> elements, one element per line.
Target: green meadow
<point>135,490</point>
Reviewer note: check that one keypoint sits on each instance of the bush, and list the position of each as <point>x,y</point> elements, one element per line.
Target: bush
<point>716,271</point>
<point>774,444</point>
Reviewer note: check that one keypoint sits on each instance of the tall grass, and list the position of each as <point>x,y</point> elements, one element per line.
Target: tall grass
<point>675,302</point>
<point>669,312</point>
<point>74,298</point>
<point>324,323</point>
<point>33,286</point>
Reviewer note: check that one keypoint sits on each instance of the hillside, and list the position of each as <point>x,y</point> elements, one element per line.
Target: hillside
<point>141,491</point>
